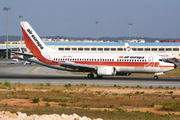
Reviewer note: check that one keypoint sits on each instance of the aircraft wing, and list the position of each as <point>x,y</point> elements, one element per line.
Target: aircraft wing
<point>79,67</point>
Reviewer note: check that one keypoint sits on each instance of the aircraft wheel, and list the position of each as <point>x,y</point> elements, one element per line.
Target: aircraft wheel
<point>90,76</point>
<point>155,77</point>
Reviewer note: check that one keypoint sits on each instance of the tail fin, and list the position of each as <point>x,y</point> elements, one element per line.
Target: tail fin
<point>128,48</point>
<point>32,40</point>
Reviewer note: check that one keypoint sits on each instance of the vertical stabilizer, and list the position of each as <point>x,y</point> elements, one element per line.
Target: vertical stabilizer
<point>128,48</point>
<point>32,40</point>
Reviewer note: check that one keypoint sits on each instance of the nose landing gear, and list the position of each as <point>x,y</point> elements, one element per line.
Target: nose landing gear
<point>155,77</point>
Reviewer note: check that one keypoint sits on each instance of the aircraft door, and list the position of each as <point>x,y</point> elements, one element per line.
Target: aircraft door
<point>100,60</point>
<point>150,62</point>
<point>150,59</point>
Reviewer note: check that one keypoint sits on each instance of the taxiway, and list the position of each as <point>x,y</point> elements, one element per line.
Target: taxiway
<point>35,74</point>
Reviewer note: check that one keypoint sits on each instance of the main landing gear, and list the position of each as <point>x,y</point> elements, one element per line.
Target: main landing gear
<point>155,77</point>
<point>91,75</point>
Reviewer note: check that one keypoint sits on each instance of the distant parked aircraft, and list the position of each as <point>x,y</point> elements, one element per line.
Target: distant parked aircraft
<point>163,55</point>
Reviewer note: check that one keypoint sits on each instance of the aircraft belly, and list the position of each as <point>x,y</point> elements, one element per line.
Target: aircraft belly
<point>139,69</point>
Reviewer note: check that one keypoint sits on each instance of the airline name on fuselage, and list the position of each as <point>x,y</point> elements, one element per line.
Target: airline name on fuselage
<point>138,57</point>
<point>35,39</point>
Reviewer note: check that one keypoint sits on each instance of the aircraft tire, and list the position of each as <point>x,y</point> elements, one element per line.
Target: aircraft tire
<point>90,76</point>
<point>155,77</point>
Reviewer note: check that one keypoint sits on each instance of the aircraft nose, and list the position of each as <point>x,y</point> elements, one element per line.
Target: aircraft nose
<point>175,66</point>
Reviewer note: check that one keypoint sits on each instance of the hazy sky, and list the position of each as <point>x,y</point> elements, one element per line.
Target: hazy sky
<point>76,18</point>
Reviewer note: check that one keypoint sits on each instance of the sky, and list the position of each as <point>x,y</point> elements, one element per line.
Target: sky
<point>76,18</point>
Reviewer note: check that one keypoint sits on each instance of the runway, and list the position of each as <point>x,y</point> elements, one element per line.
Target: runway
<point>35,74</point>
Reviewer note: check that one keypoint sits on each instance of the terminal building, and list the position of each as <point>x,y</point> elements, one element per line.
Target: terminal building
<point>99,46</point>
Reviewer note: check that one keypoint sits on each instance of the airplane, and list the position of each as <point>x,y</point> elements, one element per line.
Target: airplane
<point>101,64</point>
<point>163,55</point>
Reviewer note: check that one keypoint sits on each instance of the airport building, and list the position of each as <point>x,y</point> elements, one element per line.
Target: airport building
<point>100,46</point>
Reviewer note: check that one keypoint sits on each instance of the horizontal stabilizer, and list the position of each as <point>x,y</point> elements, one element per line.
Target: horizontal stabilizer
<point>29,55</point>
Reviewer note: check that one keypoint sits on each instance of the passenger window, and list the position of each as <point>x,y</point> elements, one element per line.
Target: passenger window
<point>175,49</point>
<point>93,49</point>
<point>120,49</point>
<point>147,49</point>
<point>67,48</point>
<point>80,49</point>
<point>74,48</point>
<point>99,49</point>
<point>154,49</point>
<point>86,48</point>
<point>106,49</point>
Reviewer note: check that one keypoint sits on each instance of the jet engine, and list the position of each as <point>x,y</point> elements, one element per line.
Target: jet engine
<point>106,71</point>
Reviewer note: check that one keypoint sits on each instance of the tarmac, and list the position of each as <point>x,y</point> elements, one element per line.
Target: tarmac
<point>34,74</point>
<point>8,67</point>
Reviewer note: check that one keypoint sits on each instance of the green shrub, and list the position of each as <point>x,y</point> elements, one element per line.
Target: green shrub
<point>36,100</point>
<point>151,105</point>
<point>173,97</point>
<point>120,110</point>
<point>64,100</point>
<point>115,85</point>
<point>169,106</point>
<point>98,92</point>
<point>40,84</point>
<point>47,105</point>
<point>170,92</point>
<point>85,106</point>
<point>63,105</point>
<point>114,94</point>
<point>8,84</point>
<point>138,86</point>
<point>48,83</point>
<point>67,85</point>
<point>111,106</point>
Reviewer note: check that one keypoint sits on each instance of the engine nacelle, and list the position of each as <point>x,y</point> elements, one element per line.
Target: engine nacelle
<point>106,71</point>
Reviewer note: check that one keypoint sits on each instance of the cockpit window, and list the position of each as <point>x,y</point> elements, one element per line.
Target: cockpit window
<point>165,60</point>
